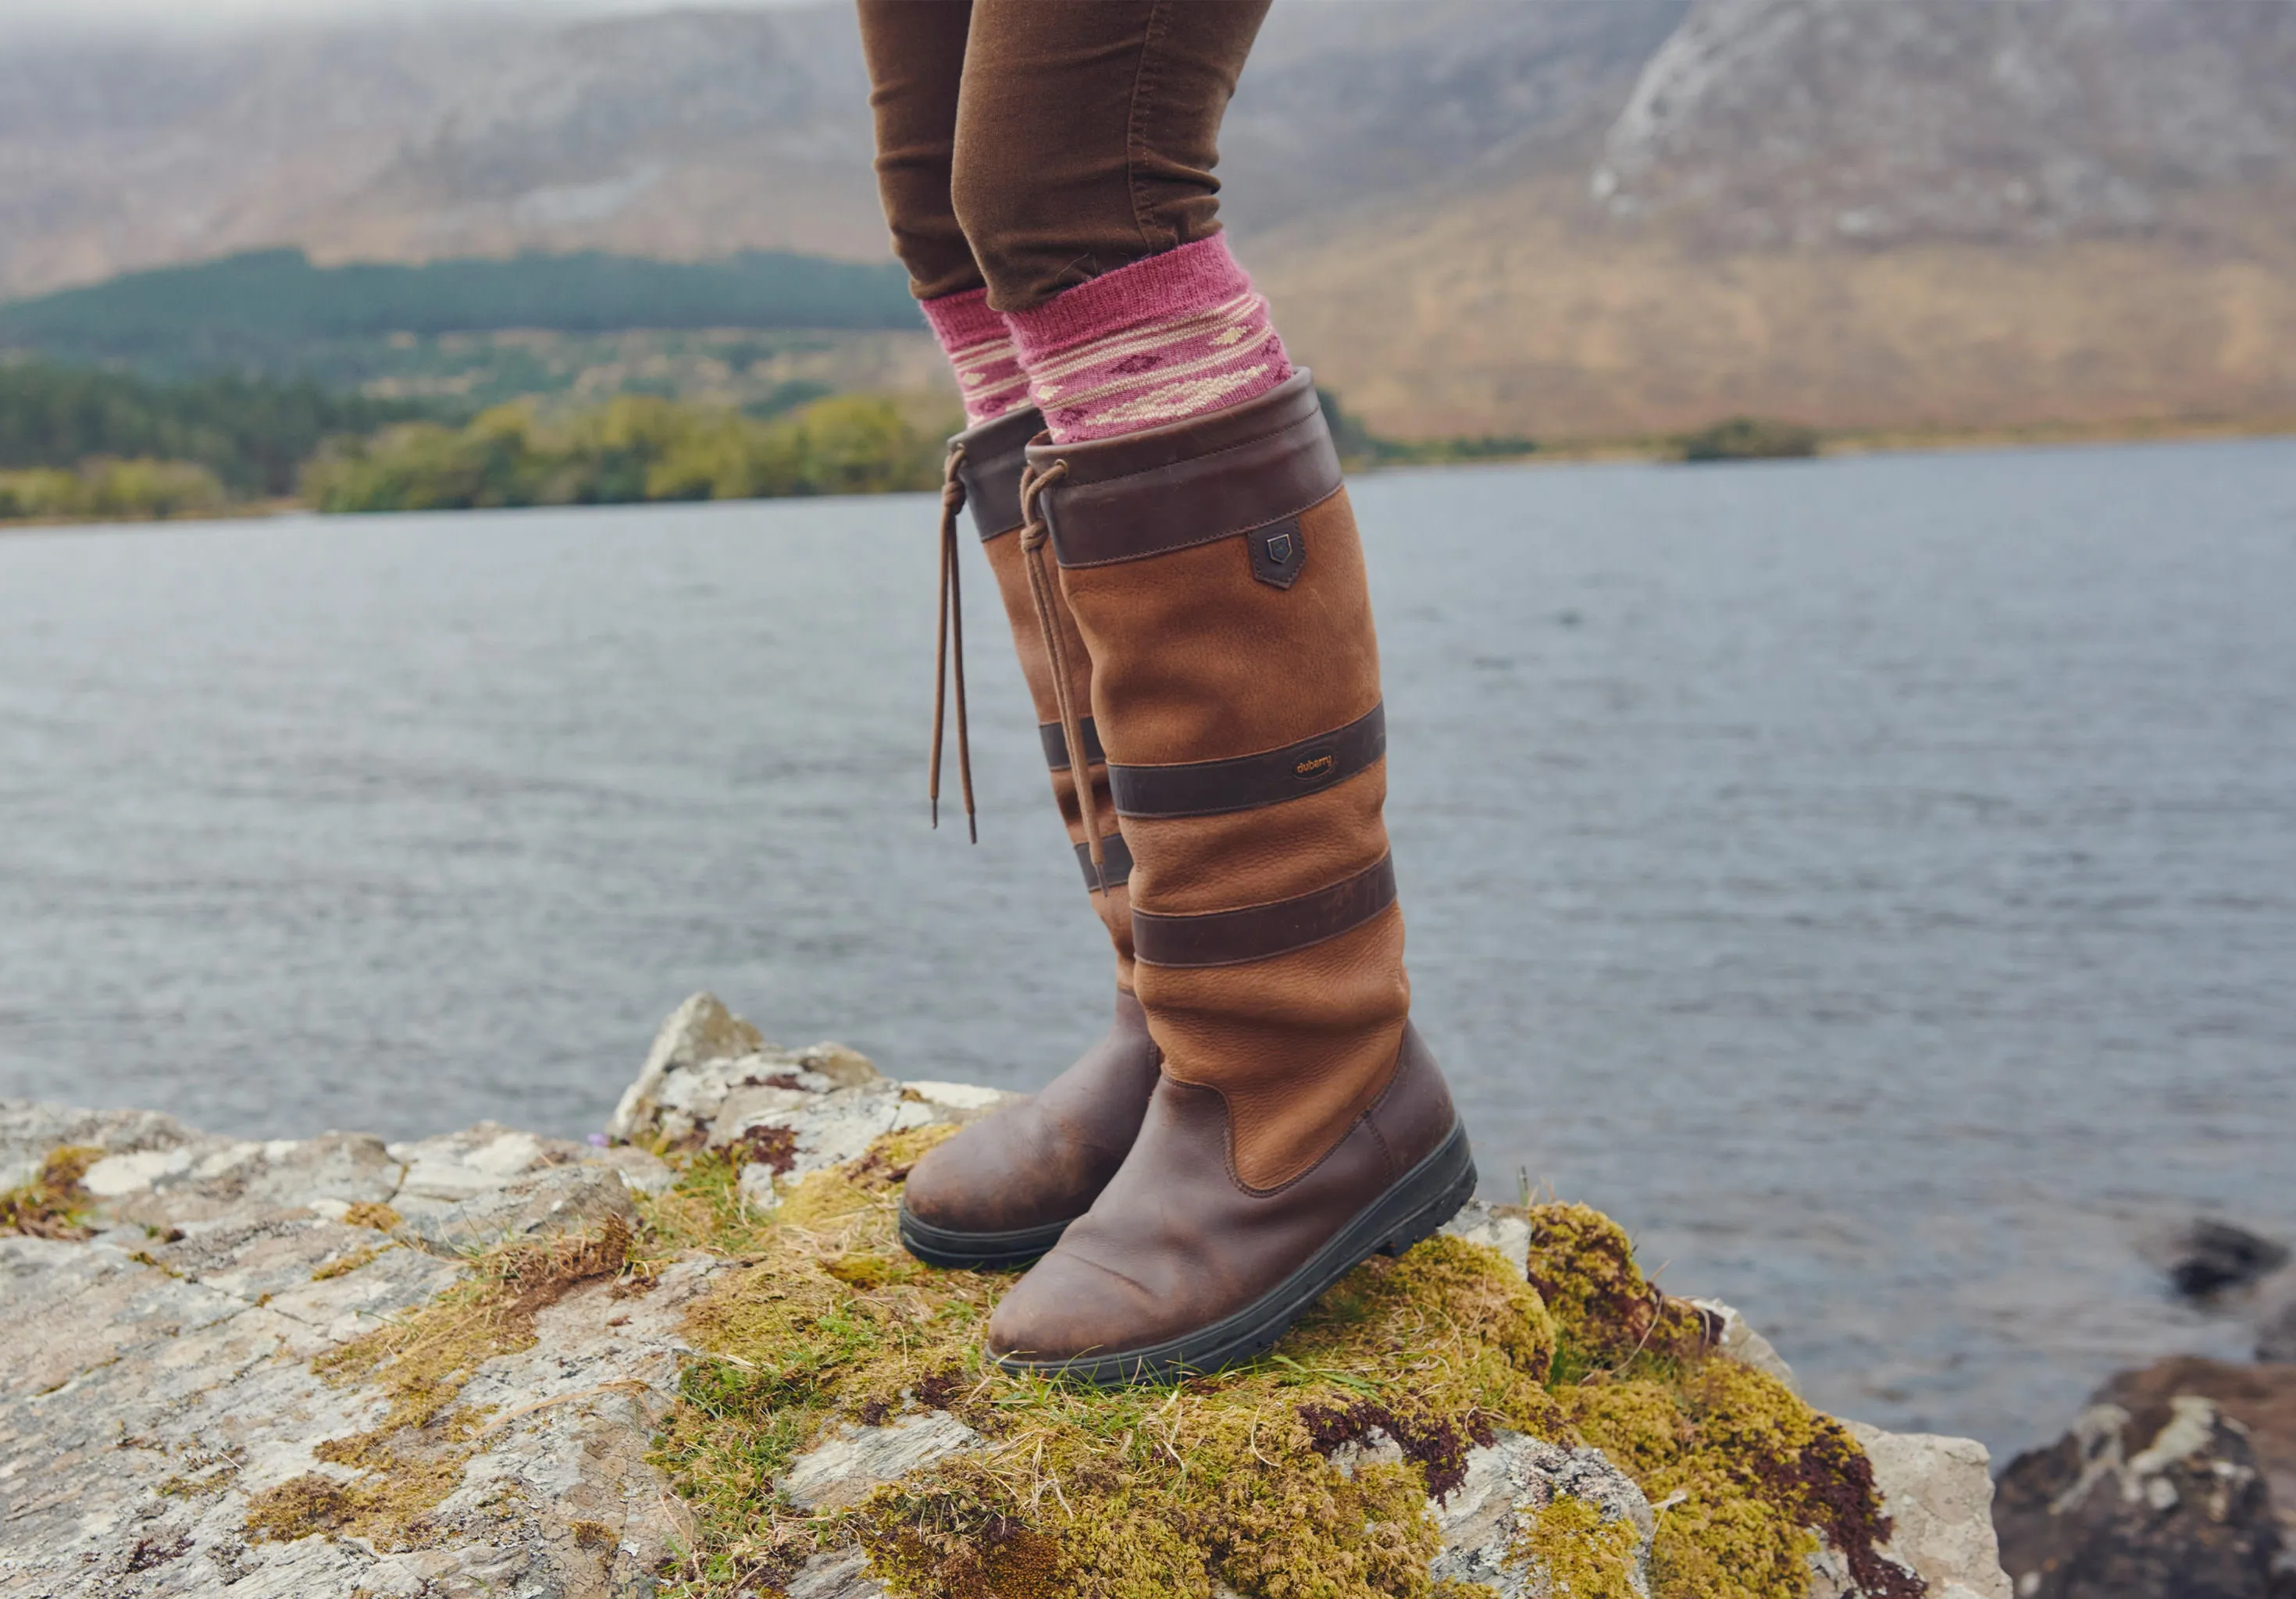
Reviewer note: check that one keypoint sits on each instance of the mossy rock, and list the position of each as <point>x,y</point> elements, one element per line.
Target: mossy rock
<point>1253,1480</point>
<point>1307,1474</point>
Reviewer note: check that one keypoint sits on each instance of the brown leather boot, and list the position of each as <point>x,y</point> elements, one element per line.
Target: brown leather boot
<point>1000,1192</point>
<point>1300,1124</point>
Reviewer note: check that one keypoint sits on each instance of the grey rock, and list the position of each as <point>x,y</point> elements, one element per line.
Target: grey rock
<point>2166,1502</point>
<point>1939,1492</point>
<point>2205,1257</point>
<point>1517,1476</point>
<point>30,1130</point>
<point>835,1574</point>
<point>549,1204</point>
<point>699,1033</point>
<point>1740,1342</point>
<point>453,1167</point>
<point>1808,122</point>
<point>207,1178</point>
<point>1477,1223</point>
<point>844,1468</point>
<point>711,1078</point>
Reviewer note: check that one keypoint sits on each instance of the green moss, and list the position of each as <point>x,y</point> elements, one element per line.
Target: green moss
<point>1750,1468</point>
<point>1606,1314</point>
<point>54,1203</point>
<point>401,1468</point>
<point>1129,1493</point>
<point>1079,1492</point>
<point>1585,1557</point>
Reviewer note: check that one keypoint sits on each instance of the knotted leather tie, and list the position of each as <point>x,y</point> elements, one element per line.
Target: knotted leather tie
<point>1034,534</point>
<point>951,628</point>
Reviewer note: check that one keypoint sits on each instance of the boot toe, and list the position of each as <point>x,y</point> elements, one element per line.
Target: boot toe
<point>1069,1307</point>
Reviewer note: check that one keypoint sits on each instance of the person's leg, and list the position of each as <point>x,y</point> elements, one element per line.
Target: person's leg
<point>1087,134</point>
<point>916,51</point>
<point>1001,1191</point>
<point>1206,549</point>
<point>1087,138</point>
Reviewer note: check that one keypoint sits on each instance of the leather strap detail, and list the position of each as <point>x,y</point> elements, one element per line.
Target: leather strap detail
<point>994,454</point>
<point>1190,483</point>
<point>1056,748</point>
<point>1211,787</point>
<point>1260,932</point>
<point>1115,854</point>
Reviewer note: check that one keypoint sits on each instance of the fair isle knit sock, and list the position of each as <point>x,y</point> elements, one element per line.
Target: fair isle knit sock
<point>979,346</point>
<point>1165,339</point>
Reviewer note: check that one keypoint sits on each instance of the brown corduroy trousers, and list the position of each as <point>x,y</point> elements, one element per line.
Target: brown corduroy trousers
<point>1031,145</point>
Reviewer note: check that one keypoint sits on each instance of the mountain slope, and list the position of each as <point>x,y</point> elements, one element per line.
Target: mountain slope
<point>1560,217</point>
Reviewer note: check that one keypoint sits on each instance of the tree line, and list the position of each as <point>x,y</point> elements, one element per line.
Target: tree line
<point>270,311</point>
<point>636,447</point>
<point>251,435</point>
<point>81,443</point>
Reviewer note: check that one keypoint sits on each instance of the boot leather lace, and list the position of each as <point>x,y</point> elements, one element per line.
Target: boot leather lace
<point>950,632</point>
<point>1033,536</point>
<point>951,628</point>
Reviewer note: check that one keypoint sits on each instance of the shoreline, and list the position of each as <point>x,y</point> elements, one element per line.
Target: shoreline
<point>1661,450</point>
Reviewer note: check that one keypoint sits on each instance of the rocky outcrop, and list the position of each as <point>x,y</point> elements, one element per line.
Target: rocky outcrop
<point>1940,1491</point>
<point>2165,1498</point>
<point>1805,122</point>
<point>2207,1258</point>
<point>183,1411</point>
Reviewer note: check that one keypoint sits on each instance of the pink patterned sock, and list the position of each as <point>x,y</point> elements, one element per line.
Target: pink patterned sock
<point>1168,337</point>
<point>979,346</point>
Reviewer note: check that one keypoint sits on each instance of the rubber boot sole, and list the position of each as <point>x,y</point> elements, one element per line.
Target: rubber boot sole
<point>1416,1207</point>
<point>976,1252</point>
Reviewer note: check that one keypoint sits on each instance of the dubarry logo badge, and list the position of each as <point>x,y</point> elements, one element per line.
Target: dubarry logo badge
<point>1278,553</point>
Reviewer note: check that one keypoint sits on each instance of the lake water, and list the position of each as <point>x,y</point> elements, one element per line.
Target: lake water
<point>1874,880</point>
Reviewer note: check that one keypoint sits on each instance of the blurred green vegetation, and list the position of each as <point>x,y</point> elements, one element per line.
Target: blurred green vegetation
<point>636,447</point>
<point>1750,439</point>
<point>112,489</point>
<point>251,435</point>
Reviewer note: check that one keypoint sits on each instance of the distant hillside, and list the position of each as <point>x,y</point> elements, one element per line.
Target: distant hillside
<point>263,309</point>
<point>1548,216</point>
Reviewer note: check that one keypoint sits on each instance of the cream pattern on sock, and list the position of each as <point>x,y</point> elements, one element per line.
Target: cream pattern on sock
<point>1158,341</point>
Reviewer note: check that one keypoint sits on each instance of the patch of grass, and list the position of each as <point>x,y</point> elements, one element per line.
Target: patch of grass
<point>53,1204</point>
<point>372,1213</point>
